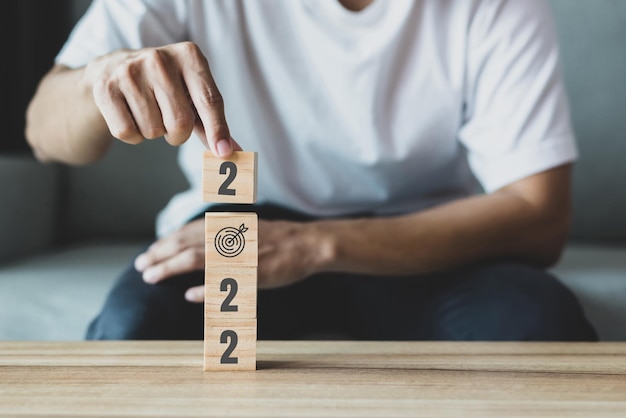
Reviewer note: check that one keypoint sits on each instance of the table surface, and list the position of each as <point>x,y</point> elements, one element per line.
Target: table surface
<point>315,379</point>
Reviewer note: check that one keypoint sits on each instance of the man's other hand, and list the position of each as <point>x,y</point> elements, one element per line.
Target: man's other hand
<point>288,252</point>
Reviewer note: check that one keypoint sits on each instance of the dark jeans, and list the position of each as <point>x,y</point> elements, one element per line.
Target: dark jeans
<point>499,302</point>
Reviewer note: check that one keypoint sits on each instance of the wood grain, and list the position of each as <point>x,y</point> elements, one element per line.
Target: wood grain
<point>243,353</point>
<point>243,185</point>
<point>232,253</point>
<point>220,227</point>
<point>315,379</point>
<point>244,299</point>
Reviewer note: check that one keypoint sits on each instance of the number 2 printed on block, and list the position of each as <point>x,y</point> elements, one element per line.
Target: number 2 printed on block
<point>228,168</point>
<point>231,260</point>
<point>229,337</point>
<point>229,285</point>
<point>230,344</point>
<point>229,181</point>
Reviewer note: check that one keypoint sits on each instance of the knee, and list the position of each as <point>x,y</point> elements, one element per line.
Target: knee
<point>110,325</point>
<point>512,302</point>
<point>135,310</point>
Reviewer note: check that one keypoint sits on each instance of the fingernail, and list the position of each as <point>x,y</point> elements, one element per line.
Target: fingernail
<point>150,275</point>
<point>224,148</point>
<point>141,262</point>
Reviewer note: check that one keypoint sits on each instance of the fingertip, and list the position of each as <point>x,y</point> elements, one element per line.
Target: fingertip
<point>193,295</point>
<point>141,262</point>
<point>150,276</point>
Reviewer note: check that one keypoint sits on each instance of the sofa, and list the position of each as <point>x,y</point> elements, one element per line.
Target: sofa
<point>67,232</point>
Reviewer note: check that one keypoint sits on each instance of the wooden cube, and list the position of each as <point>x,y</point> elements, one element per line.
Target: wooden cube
<point>231,239</point>
<point>231,180</point>
<point>230,292</point>
<point>230,344</point>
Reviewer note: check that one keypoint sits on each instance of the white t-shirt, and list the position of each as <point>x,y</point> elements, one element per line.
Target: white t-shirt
<point>392,109</point>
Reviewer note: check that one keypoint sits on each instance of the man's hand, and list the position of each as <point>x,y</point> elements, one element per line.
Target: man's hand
<point>288,252</point>
<point>130,95</point>
<point>153,92</point>
<point>527,220</point>
<point>291,251</point>
<point>179,253</point>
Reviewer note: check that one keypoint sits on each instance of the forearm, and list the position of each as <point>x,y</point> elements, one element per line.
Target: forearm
<point>467,231</point>
<point>63,123</point>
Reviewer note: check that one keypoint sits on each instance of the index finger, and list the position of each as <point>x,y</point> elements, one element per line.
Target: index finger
<point>209,105</point>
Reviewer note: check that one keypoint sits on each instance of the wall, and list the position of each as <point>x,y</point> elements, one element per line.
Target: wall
<point>593,35</point>
<point>79,7</point>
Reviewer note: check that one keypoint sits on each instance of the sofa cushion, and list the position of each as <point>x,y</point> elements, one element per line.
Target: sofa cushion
<point>28,209</point>
<point>597,275</point>
<point>120,196</point>
<point>55,296</point>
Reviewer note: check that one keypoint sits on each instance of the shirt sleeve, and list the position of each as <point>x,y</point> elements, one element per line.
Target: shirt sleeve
<point>110,25</point>
<point>516,120</point>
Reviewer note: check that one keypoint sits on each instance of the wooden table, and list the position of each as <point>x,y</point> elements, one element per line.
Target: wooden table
<point>315,379</point>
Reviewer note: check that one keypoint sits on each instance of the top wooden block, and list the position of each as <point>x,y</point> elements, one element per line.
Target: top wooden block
<point>231,180</point>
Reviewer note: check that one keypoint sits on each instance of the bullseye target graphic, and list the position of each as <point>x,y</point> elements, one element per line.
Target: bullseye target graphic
<point>230,242</point>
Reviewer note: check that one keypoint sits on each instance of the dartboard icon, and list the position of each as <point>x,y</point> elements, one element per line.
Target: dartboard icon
<point>230,242</point>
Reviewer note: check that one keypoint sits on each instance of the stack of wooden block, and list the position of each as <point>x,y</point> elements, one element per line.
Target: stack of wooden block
<point>231,262</point>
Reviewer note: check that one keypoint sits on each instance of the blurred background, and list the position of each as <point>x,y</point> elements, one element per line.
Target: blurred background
<point>66,232</point>
<point>35,31</point>
<point>35,214</point>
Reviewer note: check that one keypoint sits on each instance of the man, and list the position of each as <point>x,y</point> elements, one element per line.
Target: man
<point>372,120</point>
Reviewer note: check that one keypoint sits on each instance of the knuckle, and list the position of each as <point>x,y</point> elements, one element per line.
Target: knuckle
<point>196,258</point>
<point>101,87</point>
<point>184,122</point>
<point>154,57</point>
<point>190,48</point>
<point>211,97</point>
<point>178,242</point>
<point>129,71</point>
<point>181,124</point>
<point>104,90</point>
<point>157,62</point>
